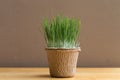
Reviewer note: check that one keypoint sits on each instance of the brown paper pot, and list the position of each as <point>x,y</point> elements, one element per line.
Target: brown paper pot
<point>62,62</point>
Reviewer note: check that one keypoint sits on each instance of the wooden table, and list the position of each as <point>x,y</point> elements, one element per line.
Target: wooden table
<point>43,74</point>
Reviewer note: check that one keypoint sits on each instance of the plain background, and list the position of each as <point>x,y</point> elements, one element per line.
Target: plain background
<point>22,44</point>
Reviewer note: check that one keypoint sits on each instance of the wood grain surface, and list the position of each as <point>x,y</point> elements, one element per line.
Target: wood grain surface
<point>43,74</point>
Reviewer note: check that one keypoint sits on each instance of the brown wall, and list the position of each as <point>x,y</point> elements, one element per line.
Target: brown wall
<point>21,43</point>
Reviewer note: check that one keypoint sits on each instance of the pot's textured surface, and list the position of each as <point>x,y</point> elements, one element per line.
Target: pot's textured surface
<point>62,62</point>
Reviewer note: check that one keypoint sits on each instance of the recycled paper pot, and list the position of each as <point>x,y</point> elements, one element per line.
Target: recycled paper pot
<point>62,62</point>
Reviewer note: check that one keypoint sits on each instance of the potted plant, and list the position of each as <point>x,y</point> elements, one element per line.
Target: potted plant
<point>61,35</point>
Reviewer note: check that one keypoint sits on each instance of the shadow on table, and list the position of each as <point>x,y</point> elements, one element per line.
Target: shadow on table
<point>45,77</point>
<point>41,76</point>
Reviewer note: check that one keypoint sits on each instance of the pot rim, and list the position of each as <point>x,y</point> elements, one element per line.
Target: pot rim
<point>78,48</point>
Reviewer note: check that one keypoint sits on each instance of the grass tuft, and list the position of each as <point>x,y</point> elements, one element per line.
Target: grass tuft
<point>62,32</point>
